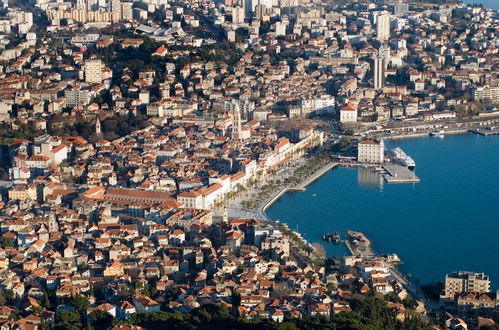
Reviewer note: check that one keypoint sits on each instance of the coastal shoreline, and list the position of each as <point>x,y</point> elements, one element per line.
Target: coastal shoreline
<point>422,134</point>
<point>261,210</point>
<point>369,252</point>
<point>299,187</point>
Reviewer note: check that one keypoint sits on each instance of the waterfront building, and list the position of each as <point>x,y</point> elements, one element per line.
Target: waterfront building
<point>371,151</point>
<point>468,301</point>
<point>460,282</point>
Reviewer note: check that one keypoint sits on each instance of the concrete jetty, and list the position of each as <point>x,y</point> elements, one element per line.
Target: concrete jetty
<point>399,174</point>
<point>358,244</point>
<point>486,131</point>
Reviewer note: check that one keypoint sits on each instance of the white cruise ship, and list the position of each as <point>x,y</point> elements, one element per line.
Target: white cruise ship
<point>401,157</point>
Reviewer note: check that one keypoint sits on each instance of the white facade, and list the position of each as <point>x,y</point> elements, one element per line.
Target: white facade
<point>383,27</point>
<point>371,151</point>
<point>319,104</point>
<point>238,15</point>
<point>93,71</point>
<point>486,92</point>
<point>348,116</point>
<point>155,110</point>
<point>379,73</point>
<point>77,96</point>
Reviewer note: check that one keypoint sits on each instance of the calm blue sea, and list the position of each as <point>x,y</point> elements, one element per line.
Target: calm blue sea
<point>494,4</point>
<point>448,222</point>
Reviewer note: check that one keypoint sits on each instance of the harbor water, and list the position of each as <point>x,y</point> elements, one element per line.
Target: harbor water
<point>493,4</point>
<point>449,221</point>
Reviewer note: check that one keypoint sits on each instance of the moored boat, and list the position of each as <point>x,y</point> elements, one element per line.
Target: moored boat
<point>439,133</point>
<point>333,237</point>
<point>399,156</point>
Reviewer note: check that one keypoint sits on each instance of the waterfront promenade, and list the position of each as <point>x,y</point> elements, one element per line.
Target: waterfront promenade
<point>300,187</point>
<point>400,130</point>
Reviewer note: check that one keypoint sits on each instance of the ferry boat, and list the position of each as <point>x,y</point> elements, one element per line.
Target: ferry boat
<point>333,237</point>
<point>402,158</point>
<point>439,133</point>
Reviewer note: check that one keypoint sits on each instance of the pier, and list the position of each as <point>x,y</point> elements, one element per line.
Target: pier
<point>358,244</point>
<point>399,174</point>
<point>485,132</point>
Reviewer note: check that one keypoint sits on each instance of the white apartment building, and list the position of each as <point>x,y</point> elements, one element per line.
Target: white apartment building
<point>371,151</point>
<point>126,11</point>
<point>348,114</point>
<point>155,110</point>
<point>76,96</point>
<point>93,71</point>
<point>486,92</point>
<point>324,103</point>
<point>460,282</point>
<point>383,27</point>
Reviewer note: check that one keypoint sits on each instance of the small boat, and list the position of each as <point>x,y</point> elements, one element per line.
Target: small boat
<point>314,195</point>
<point>333,237</point>
<point>439,133</point>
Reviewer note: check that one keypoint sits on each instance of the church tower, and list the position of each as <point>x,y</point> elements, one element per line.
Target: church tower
<point>236,123</point>
<point>98,127</point>
<point>225,218</point>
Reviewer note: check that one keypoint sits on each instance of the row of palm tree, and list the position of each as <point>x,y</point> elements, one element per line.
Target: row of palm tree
<point>299,175</point>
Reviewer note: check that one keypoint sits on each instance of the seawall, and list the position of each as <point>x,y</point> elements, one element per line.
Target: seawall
<point>300,187</point>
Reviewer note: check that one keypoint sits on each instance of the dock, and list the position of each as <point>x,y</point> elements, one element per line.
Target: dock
<point>399,174</point>
<point>358,244</point>
<point>486,131</point>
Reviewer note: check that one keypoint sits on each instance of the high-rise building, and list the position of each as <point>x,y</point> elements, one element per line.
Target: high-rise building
<point>238,15</point>
<point>249,6</point>
<point>115,7</point>
<point>81,4</point>
<point>383,27</point>
<point>400,8</point>
<point>460,282</point>
<point>92,5</point>
<point>126,11</point>
<point>93,71</point>
<point>379,72</point>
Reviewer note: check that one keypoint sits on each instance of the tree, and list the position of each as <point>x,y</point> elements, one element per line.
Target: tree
<point>5,242</point>
<point>67,317</point>
<point>81,303</point>
<point>101,319</point>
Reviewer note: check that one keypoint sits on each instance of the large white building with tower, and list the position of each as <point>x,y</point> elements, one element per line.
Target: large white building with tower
<point>371,151</point>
